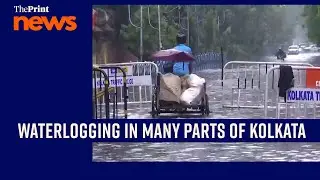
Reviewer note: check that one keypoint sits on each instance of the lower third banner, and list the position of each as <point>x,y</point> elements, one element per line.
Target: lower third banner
<point>177,130</point>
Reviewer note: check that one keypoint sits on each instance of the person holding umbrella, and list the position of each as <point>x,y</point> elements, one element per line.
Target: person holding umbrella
<point>185,67</point>
<point>176,60</point>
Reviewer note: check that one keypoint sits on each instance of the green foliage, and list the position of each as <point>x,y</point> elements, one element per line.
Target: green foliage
<point>312,15</point>
<point>131,34</point>
<point>242,30</point>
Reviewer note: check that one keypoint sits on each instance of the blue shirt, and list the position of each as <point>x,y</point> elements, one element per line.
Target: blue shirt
<point>182,68</point>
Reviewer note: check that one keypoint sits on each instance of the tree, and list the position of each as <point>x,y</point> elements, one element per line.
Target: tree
<point>243,31</point>
<point>312,15</point>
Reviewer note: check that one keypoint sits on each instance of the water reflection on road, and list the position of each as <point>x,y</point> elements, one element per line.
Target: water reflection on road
<point>103,152</point>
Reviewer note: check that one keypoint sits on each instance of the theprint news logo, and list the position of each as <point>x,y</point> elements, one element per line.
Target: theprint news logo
<point>41,22</point>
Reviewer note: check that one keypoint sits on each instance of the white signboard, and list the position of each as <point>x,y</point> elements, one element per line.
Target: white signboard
<point>112,71</point>
<point>131,81</point>
<point>303,95</point>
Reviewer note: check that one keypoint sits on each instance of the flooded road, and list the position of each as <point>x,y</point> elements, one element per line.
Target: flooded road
<point>106,152</point>
<point>204,152</point>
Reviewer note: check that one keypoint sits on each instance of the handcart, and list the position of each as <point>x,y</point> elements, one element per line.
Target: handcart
<point>159,106</point>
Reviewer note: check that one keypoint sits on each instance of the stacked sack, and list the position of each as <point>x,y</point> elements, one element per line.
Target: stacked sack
<point>192,95</point>
<point>170,88</point>
<point>185,90</point>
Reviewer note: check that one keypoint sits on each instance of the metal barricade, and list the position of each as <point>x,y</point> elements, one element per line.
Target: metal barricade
<point>243,82</point>
<point>276,107</point>
<point>106,83</point>
<point>100,94</point>
<point>208,60</point>
<point>141,77</point>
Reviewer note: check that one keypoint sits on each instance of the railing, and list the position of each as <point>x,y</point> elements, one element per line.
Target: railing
<point>306,84</point>
<point>106,85</point>
<point>204,61</point>
<point>100,94</point>
<point>244,80</point>
<point>141,77</point>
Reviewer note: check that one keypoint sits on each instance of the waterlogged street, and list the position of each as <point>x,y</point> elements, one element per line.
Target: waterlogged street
<point>202,152</point>
<point>106,152</point>
<point>216,93</point>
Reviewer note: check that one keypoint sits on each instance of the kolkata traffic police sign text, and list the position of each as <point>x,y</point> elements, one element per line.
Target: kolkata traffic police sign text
<point>131,81</point>
<point>303,95</point>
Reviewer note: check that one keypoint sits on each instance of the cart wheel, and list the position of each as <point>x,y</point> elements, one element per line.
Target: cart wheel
<point>154,115</point>
<point>203,106</point>
<point>207,109</point>
<point>203,112</point>
<point>154,110</point>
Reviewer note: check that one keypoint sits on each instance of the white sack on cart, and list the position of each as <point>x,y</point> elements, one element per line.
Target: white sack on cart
<point>195,81</point>
<point>192,95</point>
